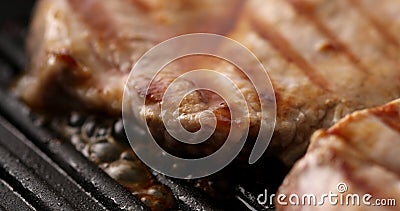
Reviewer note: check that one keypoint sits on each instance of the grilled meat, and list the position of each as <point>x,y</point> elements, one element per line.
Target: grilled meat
<point>325,59</point>
<point>320,67</point>
<point>360,151</point>
<point>82,51</point>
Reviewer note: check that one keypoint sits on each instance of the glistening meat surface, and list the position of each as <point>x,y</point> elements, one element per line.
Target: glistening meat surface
<point>360,151</point>
<point>325,59</point>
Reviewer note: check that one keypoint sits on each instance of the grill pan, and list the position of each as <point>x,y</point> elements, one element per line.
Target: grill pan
<point>41,170</point>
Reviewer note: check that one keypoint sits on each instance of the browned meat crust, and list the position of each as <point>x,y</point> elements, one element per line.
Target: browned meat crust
<point>325,59</point>
<point>361,151</point>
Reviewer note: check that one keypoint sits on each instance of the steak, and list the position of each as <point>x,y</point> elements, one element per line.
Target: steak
<point>360,151</point>
<point>82,51</point>
<point>325,59</point>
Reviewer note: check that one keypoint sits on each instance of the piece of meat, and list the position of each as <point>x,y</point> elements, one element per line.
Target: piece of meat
<point>81,52</point>
<point>360,151</point>
<point>325,59</point>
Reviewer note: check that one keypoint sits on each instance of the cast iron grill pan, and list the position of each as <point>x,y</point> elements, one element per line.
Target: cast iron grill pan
<point>40,171</point>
